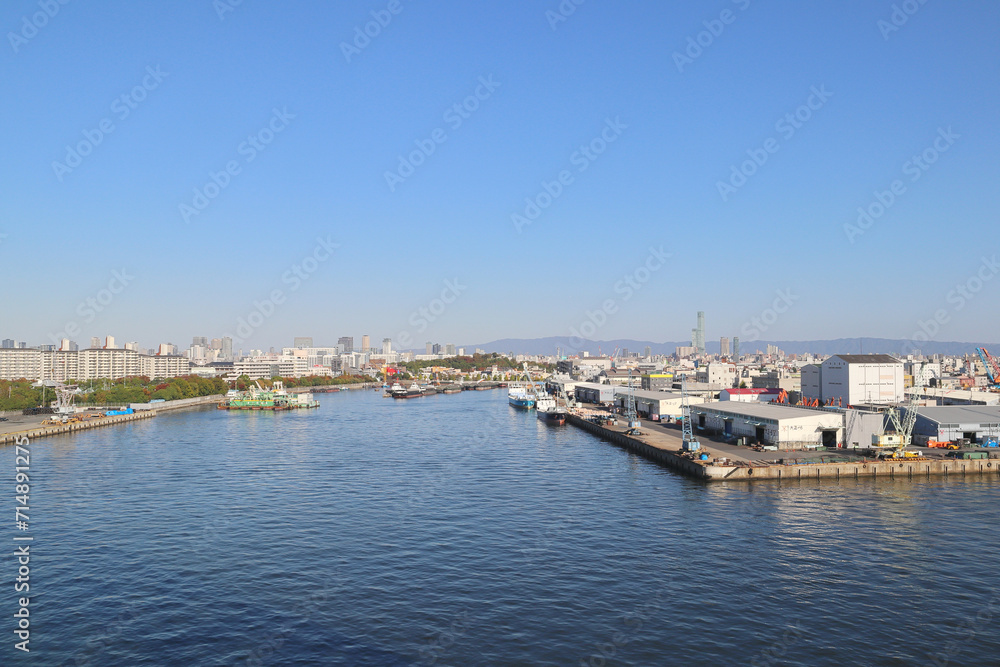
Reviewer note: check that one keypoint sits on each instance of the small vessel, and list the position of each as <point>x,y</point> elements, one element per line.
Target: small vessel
<point>549,411</point>
<point>521,397</point>
<point>397,391</point>
<point>258,398</point>
<point>413,391</point>
<point>452,389</point>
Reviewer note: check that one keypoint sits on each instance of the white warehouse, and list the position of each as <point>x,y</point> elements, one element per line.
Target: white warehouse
<point>784,426</point>
<point>855,379</point>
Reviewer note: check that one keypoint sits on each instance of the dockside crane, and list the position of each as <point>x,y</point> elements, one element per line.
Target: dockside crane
<point>992,366</point>
<point>903,423</point>
<point>688,443</point>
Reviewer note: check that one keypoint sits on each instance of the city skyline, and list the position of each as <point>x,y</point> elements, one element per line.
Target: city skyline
<point>409,176</point>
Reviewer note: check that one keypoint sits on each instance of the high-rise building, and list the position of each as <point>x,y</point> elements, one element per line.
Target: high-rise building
<point>436,348</point>
<point>227,348</point>
<point>428,348</point>
<point>736,348</point>
<point>95,343</point>
<point>449,349</point>
<point>386,346</point>
<point>216,344</point>
<point>346,343</point>
<point>109,343</point>
<point>724,346</point>
<point>199,340</point>
<point>648,352</point>
<point>302,342</point>
<point>7,344</point>
<point>701,332</point>
<point>366,343</point>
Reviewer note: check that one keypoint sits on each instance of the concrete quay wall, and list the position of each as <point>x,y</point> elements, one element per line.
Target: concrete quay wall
<point>42,431</point>
<point>893,469</point>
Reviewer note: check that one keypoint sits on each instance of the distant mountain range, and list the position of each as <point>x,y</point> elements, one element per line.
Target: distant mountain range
<point>551,344</point>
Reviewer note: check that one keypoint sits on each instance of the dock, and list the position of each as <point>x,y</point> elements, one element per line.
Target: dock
<point>731,463</point>
<point>39,431</point>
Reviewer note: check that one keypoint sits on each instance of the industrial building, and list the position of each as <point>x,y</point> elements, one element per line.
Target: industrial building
<point>954,422</point>
<point>592,392</point>
<point>657,381</point>
<point>782,426</point>
<point>958,396</point>
<point>749,395</point>
<point>655,405</point>
<point>561,385</point>
<point>855,379</point>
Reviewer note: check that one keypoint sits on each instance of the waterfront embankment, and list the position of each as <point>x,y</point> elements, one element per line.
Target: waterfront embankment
<point>30,426</point>
<point>663,445</point>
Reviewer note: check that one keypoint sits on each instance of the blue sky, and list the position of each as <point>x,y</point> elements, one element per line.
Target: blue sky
<point>344,122</point>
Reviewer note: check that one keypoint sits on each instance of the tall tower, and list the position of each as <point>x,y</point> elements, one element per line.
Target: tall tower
<point>386,346</point>
<point>701,332</point>
<point>724,347</point>
<point>366,342</point>
<point>736,349</point>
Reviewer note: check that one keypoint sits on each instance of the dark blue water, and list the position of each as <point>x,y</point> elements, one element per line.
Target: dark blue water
<point>454,530</point>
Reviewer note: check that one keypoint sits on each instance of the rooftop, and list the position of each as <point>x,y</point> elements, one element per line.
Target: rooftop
<point>868,358</point>
<point>961,414</point>
<point>760,410</point>
<point>751,392</point>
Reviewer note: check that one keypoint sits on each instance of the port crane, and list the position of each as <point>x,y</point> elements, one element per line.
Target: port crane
<point>992,366</point>
<point>903,424</point>
<point>688,443</point>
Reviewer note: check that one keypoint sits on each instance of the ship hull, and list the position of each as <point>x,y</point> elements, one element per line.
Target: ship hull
<point>555,418</point>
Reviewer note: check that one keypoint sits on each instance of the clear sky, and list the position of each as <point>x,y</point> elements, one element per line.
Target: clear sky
<point>311,115</point>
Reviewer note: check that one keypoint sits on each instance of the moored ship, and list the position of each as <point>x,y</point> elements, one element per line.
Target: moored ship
<point>258,398</point>
<point>549,411</point>
<point>521,397</point>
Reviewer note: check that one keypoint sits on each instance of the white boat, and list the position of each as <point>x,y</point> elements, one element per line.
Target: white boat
<point>549,411</point>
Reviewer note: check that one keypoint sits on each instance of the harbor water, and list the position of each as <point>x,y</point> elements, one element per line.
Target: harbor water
<point>457,530</point>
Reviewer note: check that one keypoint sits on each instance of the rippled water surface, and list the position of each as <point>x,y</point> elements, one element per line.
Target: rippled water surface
<point>455,530</point>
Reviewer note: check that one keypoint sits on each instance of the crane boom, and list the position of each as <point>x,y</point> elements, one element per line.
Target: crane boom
<point>991,364</point>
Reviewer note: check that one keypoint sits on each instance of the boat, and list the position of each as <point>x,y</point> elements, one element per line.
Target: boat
<point>522,395</point>
<point>452,389</point>
<point>413,391</point>
<point>549,411</point>
<point>397,391</point>
<point>430,391</point>
<point>258,398</point>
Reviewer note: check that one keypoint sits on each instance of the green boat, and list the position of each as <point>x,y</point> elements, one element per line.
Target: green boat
<point>275,398</point>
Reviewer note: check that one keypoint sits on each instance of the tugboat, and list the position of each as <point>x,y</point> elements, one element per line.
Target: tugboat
<point>549,411</point>
<point>413,391</point>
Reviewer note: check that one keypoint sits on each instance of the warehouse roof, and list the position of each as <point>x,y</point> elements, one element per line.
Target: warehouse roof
<point>868,358</point>
<point>961,414</point>
<point>761,410</point>
<point>744,391</point>
<point>649,395</point>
